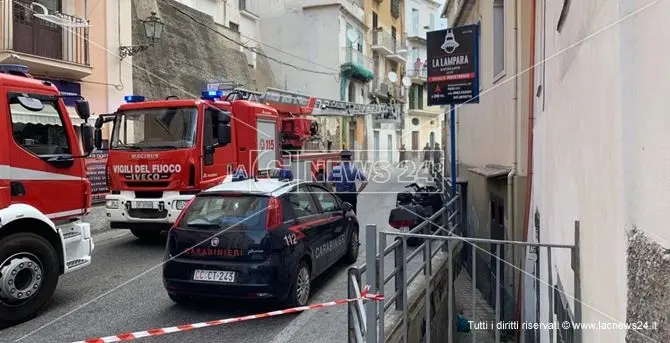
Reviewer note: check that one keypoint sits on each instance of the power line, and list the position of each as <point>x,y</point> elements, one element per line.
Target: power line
<point>242,45</point>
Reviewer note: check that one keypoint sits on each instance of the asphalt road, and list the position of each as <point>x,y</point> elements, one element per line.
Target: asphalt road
<point>122,291</point>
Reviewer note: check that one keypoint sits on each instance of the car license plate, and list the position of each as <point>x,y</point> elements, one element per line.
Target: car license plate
<point>143,204</point>
<point>214,276</point>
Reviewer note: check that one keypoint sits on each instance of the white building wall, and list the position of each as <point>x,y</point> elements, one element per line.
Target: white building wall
<point>288,29</point>
<point>645,72</point>
<point>583,127</point>
<point>119,19</point>
<point>426,8</point>
<point>492,120</point>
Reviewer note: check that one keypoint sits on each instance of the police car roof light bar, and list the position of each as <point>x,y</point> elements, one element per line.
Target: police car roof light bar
<point>285,175</point>
<point>281,174</point>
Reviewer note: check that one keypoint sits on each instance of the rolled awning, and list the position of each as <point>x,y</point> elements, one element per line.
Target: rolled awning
<point>47,116</point>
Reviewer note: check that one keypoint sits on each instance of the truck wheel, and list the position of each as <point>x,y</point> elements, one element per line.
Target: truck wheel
<point>28,276</point>
<point>146,235</point>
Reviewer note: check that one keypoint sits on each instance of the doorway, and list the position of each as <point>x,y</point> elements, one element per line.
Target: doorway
<point>497,222</point>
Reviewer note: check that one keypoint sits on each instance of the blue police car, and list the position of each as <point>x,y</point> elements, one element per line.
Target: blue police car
<point>258,238</point>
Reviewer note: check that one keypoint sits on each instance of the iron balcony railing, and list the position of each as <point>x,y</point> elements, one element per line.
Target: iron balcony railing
<point>421,73</point>
<point>381,38</point>
<point>353,56</point>
<point>22,32</point>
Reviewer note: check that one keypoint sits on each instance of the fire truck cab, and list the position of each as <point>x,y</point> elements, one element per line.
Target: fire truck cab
<point>163,152</point>
<point>44,193</point>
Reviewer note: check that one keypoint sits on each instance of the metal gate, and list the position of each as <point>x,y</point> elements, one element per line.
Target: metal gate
<point>380,322</point>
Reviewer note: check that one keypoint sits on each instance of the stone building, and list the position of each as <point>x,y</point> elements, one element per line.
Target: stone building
<point>194,50</point>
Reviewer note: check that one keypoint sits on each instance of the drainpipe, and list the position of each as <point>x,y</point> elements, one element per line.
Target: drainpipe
<point>515,122</point>
<point>529,152</point>
<point>515,125</point>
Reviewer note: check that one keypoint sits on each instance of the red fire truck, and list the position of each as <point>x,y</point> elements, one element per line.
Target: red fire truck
<point>44,193</point>
<point>162,152</point>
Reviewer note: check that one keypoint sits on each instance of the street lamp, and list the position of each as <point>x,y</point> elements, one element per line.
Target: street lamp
<point>153,28</point>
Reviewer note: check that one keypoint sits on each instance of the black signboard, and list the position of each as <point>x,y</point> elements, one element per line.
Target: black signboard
<point>97,174</point>
<point>453,66</point>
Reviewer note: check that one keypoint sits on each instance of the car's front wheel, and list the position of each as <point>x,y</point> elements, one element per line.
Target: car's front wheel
<point>301,286</point>
<point>352,249</point>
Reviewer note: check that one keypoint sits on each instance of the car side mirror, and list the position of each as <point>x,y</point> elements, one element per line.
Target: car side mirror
<point>87,137</point>
<point>223,134</point>
<point>346,207</point>
<point>83,109</point>
<point>223,117</point>
<point>99,122</point>
<point>97,138</point>
<point>208,155</point>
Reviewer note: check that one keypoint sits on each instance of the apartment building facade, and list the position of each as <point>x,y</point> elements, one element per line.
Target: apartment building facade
<point>491,138</point>
<point>600,157</point>
<point>78,60</point>
<point>422,124</point>
<point>333,65</point>
<point>388,46</point>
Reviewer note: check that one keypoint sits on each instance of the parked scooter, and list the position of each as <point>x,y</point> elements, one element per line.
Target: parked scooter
<point>413,208</point>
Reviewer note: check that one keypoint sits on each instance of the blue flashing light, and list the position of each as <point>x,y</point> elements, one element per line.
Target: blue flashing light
<point>212,95</point>
<point>133,98</point>
<point>14,69</point>
<point>285,174</point>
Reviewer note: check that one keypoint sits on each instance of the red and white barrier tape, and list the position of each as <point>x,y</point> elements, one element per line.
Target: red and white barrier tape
<point>129,336</point>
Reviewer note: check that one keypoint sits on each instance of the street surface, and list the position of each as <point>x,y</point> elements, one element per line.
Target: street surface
<point>122,291</point>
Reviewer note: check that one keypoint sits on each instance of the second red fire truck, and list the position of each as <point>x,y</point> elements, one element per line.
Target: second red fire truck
<point>162,152</point>
<point>44,193</point>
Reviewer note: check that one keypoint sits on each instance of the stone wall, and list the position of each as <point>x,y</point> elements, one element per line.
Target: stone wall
<point>189,55</point>
<point>648,289</point>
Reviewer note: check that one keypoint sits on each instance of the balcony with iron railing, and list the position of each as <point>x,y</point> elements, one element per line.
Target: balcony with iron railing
<point>383,42</point>
<point>355,64</point>
<point>418,76</point>
<point>388,45</point>
<point>42,46</point>
<point>389,90</point>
